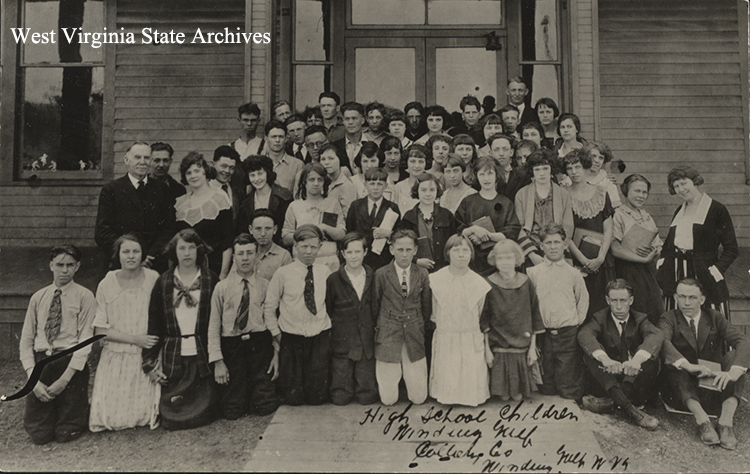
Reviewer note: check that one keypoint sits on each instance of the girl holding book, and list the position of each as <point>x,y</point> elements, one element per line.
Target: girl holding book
<point>635,253</point>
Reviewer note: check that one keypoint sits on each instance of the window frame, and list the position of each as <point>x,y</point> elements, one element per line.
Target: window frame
<point>11,58</point>
<point>426,26</point>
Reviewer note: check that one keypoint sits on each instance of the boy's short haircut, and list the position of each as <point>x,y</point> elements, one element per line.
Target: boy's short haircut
<point>618,284</point>
<point>691,282</point>
<point>264,213</point>
<point>355,106</point>
<point>294,118</point>
<point>404,233</point>
<point>375,106</point>
<point>244,239</point>
<point>274,124</point>
<point>397,116</point>
<point>517,80</point>
<point>368,149</point>
<point>503,246</point>
<point>414,105</point>
<point>226,151</point>
<point>329,95</point>
<point>528,144</point>
<point>190,236</point>
<point>550,229</point>
<point>278,104</point>
<point>313,129</point>
<point>421,179</point>
<point>508,108</point>
<point>306,232</point>
<point>159,146</point>
<point>500,136</point>
<point>376,174</point>
<point>353,237</point>
<point>71,250</point>
<point>248,109</point>
<point>132,237</point>
<point>469,100</point>
<point>454,160</point>
<point>455,240</point>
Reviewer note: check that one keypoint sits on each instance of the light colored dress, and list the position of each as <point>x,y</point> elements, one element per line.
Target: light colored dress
<point>302,212</point>
<point>123,395</point>
<point>459,373</point>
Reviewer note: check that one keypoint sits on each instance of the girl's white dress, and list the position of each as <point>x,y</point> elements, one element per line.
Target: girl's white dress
<point>459,373</point>
<point>123,395</point>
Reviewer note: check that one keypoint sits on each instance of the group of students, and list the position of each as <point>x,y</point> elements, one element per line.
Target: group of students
<point>438,264</point>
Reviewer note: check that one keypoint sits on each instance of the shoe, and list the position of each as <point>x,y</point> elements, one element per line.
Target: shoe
<point>597,405</point>
<point>641,418</point>
<point>728,440</point>
<point>708,434</point>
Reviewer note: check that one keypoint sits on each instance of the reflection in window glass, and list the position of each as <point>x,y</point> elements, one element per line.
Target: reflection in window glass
<point>312,24</point>
<point>396,88</point>
<point>462,71</point>
<point>62,118</point>
<point>309,82</point>
<point>544,82</point>
<point>539,30</point>
<point>388,12</point>
<point>45,16</point>
<point>464,12</point>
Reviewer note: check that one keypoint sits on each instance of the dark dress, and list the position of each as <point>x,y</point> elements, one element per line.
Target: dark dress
<point>278,202</point>
<point>503,216</point>
<point>641,276</point>
<point>590,215</point>
<point>436,231</point>
<point>212,221</point>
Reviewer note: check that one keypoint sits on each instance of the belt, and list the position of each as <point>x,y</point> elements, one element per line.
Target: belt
<point>556,331</point>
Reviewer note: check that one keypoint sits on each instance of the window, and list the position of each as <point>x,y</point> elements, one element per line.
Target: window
<point>311,62</point>
<point>427,12</point>
<point>60,91</point>
<point>540,51</point>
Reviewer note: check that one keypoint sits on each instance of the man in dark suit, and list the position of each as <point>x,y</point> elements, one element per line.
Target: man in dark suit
<point>354,120</point>
<point>295,143</point>
<point>517,92</point>
<point>135,203</point>
<point>360,216</point>
<point>226,163</point>
<point>161,161</point>
<point>620,347</point>
<point>693,337</point>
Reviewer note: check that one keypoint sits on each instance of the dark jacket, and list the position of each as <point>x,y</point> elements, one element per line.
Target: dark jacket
<point>121,211</point>
<point>278,203</point>
<point>517,179</point>
<point>713,331</point>
<point>600,332</point>
<point>716,230</point>
<point>358,219</point>
<point>176,189</point>
<point>444,225</point>
<point>352,321</point>
<point>401,319</point>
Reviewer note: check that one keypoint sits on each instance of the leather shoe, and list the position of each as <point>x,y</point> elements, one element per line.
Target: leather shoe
<point>597,405</point>
<point>641,418</point>
<point>728,440</point>
<point>708,434</point>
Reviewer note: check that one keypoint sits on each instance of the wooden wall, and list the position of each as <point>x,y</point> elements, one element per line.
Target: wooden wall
<point>674,91</point>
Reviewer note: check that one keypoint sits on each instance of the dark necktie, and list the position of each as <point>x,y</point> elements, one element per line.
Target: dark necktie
<point>622,336</point>
<point>183,292</point>
<point>299,154</point>
<point>310,291</point>
<point>373,213</point>
<point>225,188</point>
<point>54,318</point>
<point>693,329</point>
<point>141,190</point>
<point>243,312</point>
<point>404,285</point>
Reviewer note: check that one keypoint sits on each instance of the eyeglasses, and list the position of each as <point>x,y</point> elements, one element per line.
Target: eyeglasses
<point>317,145</point>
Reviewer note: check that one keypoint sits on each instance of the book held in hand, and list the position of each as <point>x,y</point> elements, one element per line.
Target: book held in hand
<point>708,382</point>
<point>486,223</point>
<point>330,218</point>
<point>424,249</point>
<point>588,242</point>
<point>638,236</point>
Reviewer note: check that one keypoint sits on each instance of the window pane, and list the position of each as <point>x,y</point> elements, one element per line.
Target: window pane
<point>396,88</point>
<point>544,80</point>
<point>312,26</point>
<point>309,82</point>
<point>62,118</point>
<point>539,30</point>
<point>464,12</point>
<point>45,16</point>
<point>388,12</point>
<point>462,71</point>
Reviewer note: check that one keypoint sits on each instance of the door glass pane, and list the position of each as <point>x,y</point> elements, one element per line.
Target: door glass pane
<point>312,25</point>
<point>395,88</point>
<point>388,12</point>
<point>539,30</point>
<point>309,82</point>
<point>45,16</point>
<point>544,82</point>
<point>62,118</point>
<point>462,71</point>
<point>464,12</point>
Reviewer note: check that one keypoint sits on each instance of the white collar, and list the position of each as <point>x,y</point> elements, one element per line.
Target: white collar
<point>699,217</point>
<point>618,321</point>
<point>400,271</point>
<point>134,180</point>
